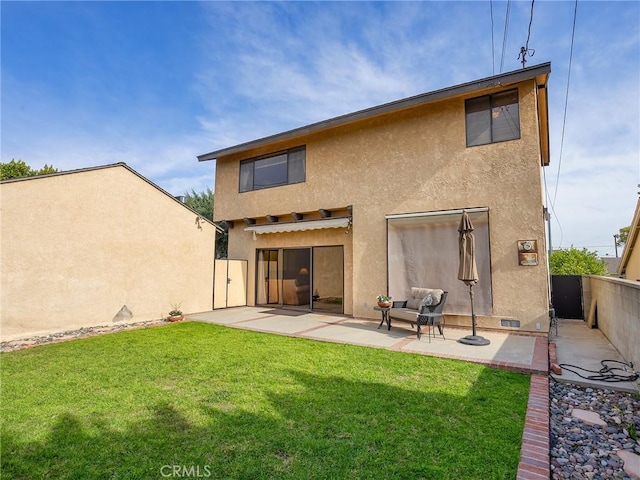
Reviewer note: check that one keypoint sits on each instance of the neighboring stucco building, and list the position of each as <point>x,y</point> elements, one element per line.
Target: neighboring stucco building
<point>629,266</point>
<point>612,265</point>
<point>331,214</point>
<point>86,247</point>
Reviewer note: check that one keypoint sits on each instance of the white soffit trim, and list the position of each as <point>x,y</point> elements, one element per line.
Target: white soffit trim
<point>300,226</point>
<point>436,213</point>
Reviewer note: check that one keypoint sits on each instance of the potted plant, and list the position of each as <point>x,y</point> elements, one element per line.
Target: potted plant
<point>175,315</point>
<point>384,301</point>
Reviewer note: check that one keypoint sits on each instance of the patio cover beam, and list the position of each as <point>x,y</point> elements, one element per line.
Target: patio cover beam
<point>435,213</point>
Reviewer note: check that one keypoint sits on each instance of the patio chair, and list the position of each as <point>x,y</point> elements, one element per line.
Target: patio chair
<point>431,316</point>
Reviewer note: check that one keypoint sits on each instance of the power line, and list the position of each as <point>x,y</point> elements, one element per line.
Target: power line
<point>506,33</point>
<point>524,51</point>
<point>530,21</point>
<point>493,52</point>
<point>566,100</point>
<point>546,189</point>
<point>564,122</point>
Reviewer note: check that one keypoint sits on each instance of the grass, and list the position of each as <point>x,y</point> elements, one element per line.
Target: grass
<point>200,400</point>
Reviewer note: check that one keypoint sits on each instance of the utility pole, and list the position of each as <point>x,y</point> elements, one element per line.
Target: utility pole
<point>615,242</point>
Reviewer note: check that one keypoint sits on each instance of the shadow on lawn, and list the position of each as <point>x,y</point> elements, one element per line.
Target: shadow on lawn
<point>76,449</point>
<point>313,427</point>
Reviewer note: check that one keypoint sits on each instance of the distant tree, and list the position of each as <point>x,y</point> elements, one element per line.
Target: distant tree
<point>623,235</point>
<point>14,169</point>
<point>572,261</point>
<point>47,169</point>
<point>203,204</point>
<point>19,169</point>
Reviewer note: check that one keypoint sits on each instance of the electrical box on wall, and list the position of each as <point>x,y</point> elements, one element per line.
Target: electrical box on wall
<point>527,252</point>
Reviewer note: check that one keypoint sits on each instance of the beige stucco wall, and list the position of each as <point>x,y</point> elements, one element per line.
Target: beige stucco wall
<point>412,161</point>
<point>77,247</point>
<point>618,313</point>
<point>632,271</point>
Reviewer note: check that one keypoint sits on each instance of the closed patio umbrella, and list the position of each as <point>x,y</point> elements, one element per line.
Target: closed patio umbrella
<point>468,272</point>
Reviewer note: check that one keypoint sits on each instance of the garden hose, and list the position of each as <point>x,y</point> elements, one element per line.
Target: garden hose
<point>622,373</point>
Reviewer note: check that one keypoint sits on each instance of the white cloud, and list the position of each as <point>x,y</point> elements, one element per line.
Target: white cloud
<point>282,77</point>
<point>259,68</point>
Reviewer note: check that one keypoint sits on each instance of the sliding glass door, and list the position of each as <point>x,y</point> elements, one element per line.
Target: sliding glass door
<point>328,279</point>
<point>267,275</point>
<point>309,278</point>
<point>296,278</point>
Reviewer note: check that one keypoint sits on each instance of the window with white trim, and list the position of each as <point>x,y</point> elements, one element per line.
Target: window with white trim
<point>492,118</point>
<point>283,168</point>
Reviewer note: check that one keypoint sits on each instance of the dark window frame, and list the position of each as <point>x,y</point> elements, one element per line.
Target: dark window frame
<point>493,118</point>
<point>295,170</point>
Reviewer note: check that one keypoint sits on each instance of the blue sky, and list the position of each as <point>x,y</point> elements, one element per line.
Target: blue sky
<point>154,84</point>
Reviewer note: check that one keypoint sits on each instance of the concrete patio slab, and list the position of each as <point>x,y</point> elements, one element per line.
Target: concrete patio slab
<point>357,332</point>
<point>504,347</point>
<point>579,349</point>
<point>506,350</point>
<point>285,325</point>
<point>229,316</point>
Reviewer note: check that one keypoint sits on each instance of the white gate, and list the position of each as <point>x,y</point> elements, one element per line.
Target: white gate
<point>229,283</point>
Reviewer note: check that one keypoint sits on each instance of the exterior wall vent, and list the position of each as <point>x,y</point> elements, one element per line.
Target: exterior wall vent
<point>505,322</point>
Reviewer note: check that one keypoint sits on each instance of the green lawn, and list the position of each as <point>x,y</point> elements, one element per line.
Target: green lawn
<point>204,401</point>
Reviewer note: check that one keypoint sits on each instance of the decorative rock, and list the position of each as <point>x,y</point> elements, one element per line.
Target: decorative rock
<point>589,417</point>
<point>19,344</point>
<point>602,450</point>
<point>631,463</point>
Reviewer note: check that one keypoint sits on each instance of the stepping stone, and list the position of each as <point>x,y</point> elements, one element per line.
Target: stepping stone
<point>589,417</point>
<point>631,463</point>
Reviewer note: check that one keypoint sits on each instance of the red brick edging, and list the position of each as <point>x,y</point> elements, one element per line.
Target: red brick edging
<point>534,453</point>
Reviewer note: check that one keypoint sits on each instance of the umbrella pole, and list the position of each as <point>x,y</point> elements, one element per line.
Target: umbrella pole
<point>473,339</point>
<point>473,315</point>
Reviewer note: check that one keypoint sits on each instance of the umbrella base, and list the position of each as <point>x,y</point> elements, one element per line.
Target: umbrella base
<point>474,340</point>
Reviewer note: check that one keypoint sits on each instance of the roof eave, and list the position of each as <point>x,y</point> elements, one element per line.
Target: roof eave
<point>632,240</point>
<point>538,72</point>
<point>112,165</point>
<point>543,121</point>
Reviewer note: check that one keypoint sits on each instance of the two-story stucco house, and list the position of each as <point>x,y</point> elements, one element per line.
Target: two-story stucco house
<point>332,214</point>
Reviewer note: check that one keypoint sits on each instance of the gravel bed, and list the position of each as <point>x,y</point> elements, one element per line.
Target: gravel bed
<point>581,450</point>
<point>71,334</point>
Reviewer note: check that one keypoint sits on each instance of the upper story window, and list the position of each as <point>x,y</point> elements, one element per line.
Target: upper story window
<point>283,168</point>
<point>492,118</point>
